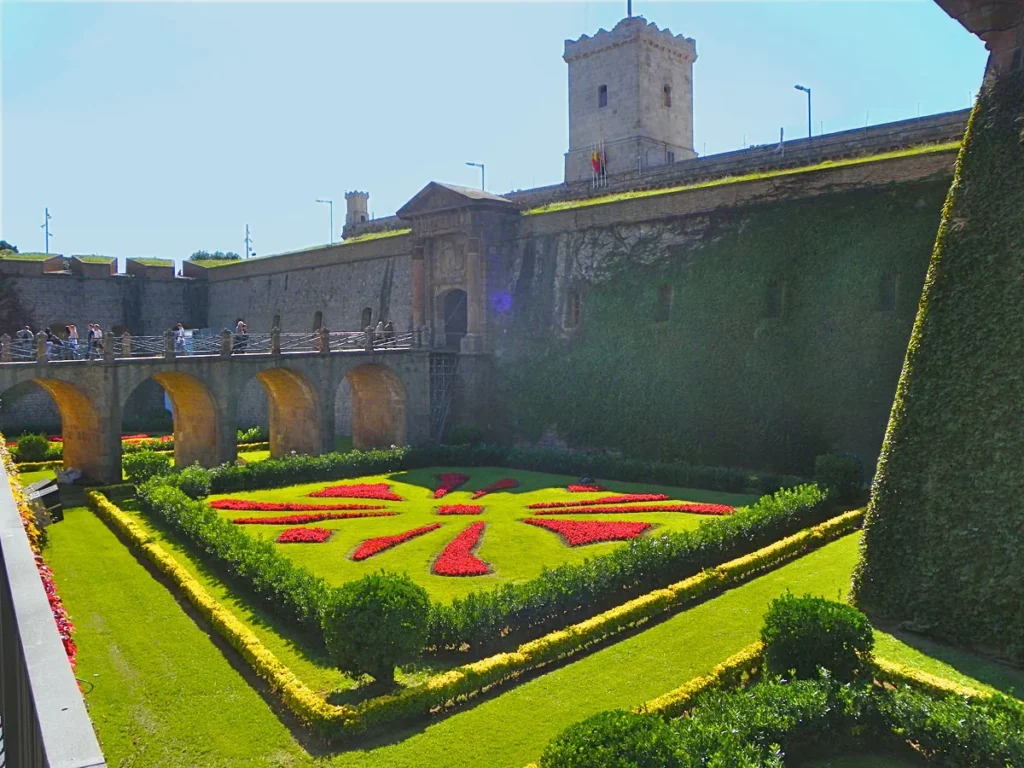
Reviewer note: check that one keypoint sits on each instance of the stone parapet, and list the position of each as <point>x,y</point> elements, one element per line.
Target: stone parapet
<point>626,31</point>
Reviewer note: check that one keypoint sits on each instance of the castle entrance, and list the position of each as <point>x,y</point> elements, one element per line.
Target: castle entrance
<point>454,318</point>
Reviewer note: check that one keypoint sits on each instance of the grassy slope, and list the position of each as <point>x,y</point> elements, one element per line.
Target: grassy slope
<point>516,551</point>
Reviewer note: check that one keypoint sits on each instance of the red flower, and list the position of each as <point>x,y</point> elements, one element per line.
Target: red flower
<point>457,559</point>
<point>275,506</point>
<point>460,509</point>
<point>313,517</point>
<point>693,509</point>
<point>372,547</point>
<point>499,485</point>
<point>625,498</point>
<point>357,491</point>
<point>586,488</point>
<point>449,482</point>
<point>304,536</point>
<point>579,532</point>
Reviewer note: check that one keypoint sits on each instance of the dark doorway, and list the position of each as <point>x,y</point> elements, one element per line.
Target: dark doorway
<point>454,318</point>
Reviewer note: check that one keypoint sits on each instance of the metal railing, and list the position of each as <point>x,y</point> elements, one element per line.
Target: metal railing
<point>224,344</point>
<point>45,723</point>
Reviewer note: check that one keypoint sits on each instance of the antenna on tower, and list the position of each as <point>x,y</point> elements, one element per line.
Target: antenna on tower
<point>629,9</point>
<point>46,226</point>
<point>248,242</point>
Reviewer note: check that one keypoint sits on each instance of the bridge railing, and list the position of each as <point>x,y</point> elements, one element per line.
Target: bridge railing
<point>225,343</point>
<point>42,714</point>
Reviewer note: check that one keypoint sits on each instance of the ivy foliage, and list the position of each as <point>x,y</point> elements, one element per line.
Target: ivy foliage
<point>944,544</point>
<point>675,354</point>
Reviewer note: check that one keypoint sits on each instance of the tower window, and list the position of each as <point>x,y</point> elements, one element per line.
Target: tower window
<point>888,288</point>
<point>276,323</point>
<point>775,305</point>
<point>602,96</point>
<point>670,157</point>
<point>663,311</point>
<point>666,95</point>
<point>367,317</point>
<point>572,309</point>
<point>318,321</point>
<point>362,217</point>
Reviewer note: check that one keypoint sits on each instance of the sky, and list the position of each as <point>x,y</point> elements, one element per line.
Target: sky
<point>155,130</point>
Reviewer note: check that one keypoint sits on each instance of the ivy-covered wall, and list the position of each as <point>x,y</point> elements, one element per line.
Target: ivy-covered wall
<point>675,354</point>
<point>944,543</point>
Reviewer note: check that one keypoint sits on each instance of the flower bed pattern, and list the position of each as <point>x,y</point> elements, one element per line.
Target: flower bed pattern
<point>457,559</point>
<point>576,533</point>
<point>625,498</point>
<point>304,536</point>
<point>245,505</point>
<point>357,491</point>
<point>311,517</point>
<point>449,482</point>
<point>460,509</point>
<point>372,547</point>
<point>575,488</point>
<point>693,509</point>
<point>499,485</point>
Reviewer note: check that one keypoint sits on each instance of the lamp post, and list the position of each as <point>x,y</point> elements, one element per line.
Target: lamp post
<point>330,203</point>
<point>481,167</point>
<point>808,92</point>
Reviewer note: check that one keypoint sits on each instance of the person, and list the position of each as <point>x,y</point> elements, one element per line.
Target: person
<point>378,334</point>
<point>389,334</point>
<point>70,342</point>
<point>95,340</point>
<point>241,336</point>
<point>25,337</point>
<point>179,340</point>
<point>54,346</point>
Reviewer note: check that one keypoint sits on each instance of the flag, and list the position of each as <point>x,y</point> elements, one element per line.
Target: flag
<point>595,161</point>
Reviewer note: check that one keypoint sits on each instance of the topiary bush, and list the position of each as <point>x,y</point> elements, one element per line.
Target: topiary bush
<point>376,623</point>
<point>144,465</point>
<point>801,634</point>
<point>841,474</point>
<point>31,448</point>
<point>193,481</point>
<point>615,739</point>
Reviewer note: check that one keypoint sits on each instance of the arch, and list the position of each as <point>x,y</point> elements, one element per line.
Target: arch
<point>294,412</point>
<point>378,407</point>
<point>453,318</point>
<point>81,428</point>
<point>195,419</point>
<point>367,318</point>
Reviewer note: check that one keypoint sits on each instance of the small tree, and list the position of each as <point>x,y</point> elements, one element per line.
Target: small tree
<point>5,246</point>
<point>215,256</point>
<point>376,623</point>
<point>31,448</point>
<point>140,467</point>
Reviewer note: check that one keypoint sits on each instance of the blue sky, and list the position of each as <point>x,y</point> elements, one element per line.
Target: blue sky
<point>159,129</point>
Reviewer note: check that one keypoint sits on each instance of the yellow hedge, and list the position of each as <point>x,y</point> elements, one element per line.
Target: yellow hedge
<point>468,680</point>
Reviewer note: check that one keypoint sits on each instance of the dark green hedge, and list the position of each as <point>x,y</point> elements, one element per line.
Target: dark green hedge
<point>718,382</point>
<point>944,542</point>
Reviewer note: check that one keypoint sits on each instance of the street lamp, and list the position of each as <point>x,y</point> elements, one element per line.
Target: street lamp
<point>808,92</point>
<point>330,203</point>
<point>481,167</point>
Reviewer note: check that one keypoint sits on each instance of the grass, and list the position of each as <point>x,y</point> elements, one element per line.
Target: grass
<point>154,262</point>
<point>376,235</point>
<point>214,262</point>
<point>12,256</point>
<point>570,204</point>
<point>95,259</point>
<point>516,551</point>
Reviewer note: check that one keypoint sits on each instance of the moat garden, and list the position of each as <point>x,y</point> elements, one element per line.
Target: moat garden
<point>530,606</point>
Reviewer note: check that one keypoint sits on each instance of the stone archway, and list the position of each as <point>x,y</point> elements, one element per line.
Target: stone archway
<point>81,428</point>
<point>378,407</point>
<point>451,317</point>
<point>294,412</point>
<point>195,419</point>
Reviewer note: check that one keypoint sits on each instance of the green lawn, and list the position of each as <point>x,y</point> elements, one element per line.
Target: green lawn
<point>515,550</point>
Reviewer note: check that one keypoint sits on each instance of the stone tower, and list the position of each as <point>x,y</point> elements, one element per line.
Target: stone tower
<point>356,206</point>
<point>631,88</point>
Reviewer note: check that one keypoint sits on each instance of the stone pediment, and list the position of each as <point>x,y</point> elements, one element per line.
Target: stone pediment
<point>437,197</point>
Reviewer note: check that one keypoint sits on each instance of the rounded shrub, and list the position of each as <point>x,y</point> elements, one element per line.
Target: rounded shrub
<point>615,739</point>
<point>376,623</point>
<point>193,481</point>
<point>31,448</point>
<point>140,467</point>
<point>801,634</point>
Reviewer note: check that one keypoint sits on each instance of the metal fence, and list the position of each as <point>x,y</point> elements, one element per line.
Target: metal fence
<point>43,717</point>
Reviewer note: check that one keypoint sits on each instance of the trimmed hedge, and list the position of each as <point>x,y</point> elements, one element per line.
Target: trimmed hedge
<point>943,547</point>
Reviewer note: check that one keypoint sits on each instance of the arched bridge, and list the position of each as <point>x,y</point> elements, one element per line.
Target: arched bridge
<point>390,381</point>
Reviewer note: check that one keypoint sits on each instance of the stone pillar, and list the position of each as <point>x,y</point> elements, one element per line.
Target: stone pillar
<point>473,341</point>
<point>368,343</point>
<point>5,348</point>
<point>419,288</point>
<point>168,345</point>
<point>275,342</point>
<point>225,343</point>
<point>126,344</point>
<point>325,341</point>
<point>40,347</point>
<point>108,347</point>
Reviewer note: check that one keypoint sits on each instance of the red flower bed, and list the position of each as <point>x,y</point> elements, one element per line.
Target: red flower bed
<point>457,559</point>
<point>460,509</point>
<point>579,532</point>
<point>60,614</point>
<point>499,485</point>
<point>625,498</point>
<point>357,491</point>
<point>311,517</point>
<point>304,536</point>
<point>449,482</point>
<point>275,506</point>
<point>586,488</point>
<point>693,509</point>
<point>372,547</point>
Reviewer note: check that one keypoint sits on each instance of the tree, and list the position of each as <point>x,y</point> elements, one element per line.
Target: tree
<point>5,246</point>
<point>216,255</point>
